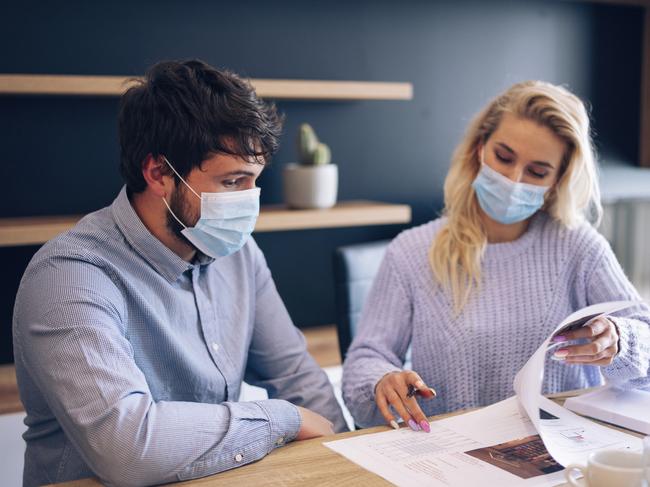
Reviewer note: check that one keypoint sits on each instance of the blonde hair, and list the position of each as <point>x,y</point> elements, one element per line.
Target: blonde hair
<point>456,253</point>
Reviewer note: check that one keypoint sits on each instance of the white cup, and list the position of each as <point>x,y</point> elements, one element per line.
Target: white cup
<point>608,468</point>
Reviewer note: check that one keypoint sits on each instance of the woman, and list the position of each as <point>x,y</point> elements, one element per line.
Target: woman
<point>475,292</point>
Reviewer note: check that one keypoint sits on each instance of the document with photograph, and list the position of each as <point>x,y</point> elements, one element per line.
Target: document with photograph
<point>524,440</point>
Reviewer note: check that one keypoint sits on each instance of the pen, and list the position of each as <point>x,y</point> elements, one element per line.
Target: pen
<point>426,392</point>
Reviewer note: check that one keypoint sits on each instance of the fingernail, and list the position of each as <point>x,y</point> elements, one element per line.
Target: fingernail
<point>414,426</point>
<point>425,426</point>
<point>394,424</point>
<point>559,338</point>
<point>419,384</point>
<point>561,353</point>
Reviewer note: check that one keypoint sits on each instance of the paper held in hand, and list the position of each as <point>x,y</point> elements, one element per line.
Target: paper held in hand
<point>523,440</point>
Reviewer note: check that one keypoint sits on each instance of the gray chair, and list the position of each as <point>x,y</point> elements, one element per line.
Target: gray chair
<point>355,267</point>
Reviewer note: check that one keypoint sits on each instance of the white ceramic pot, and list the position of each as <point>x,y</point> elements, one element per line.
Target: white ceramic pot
<point>310,186</point>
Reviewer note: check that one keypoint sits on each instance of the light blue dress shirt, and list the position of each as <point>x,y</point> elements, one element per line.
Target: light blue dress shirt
<point>130,360</point>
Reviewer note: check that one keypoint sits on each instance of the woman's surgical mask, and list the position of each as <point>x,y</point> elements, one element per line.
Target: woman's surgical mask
<point>504,200</point>
<point>226,221</point>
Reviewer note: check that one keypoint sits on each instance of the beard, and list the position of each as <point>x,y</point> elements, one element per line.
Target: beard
<point>183,211</point>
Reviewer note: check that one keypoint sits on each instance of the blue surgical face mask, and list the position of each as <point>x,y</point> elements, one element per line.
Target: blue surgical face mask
<point>226,221</point>
<point>505,201</point>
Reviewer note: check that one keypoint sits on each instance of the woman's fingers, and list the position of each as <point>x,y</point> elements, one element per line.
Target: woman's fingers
<point>412,378</point>
<point>397,390</point>
<point>399,406</point>
<point>422,389</point>
<point>416,413</point>
<point>592,348</point>
<point>603,358</point>
<point>596,328</point>
<point>601,349</point>
<point>384,409</point>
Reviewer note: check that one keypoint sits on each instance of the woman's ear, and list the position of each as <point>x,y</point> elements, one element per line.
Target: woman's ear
<point>480,152</point>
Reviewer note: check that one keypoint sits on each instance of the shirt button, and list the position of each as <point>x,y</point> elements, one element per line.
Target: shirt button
<point>280,441</point>
<point>239,457</point>
<point>215,346</point>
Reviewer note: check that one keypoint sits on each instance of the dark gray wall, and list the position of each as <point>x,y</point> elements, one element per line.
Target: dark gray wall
<point>60,154</point>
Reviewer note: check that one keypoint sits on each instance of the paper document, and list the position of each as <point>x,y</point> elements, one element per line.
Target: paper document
<point>627,408</point>
<point>524,440</point>
<point>528,387</point>
<point>496,445</point>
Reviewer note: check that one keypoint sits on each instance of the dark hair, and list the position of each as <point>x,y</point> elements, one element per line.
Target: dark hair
<point>187,110</point>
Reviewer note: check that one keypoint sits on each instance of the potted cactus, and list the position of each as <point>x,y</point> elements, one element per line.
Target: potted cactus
<point>313,182</point>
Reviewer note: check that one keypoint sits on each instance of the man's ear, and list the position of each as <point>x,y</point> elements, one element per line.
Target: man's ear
<point>155,173</point>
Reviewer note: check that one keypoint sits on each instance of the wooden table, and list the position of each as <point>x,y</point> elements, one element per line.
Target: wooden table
<point>305,463</point>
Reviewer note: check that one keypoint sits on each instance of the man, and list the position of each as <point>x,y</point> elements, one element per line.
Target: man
<point>134,330</point>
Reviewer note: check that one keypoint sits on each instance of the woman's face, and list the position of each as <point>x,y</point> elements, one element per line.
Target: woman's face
<point>524,151</point>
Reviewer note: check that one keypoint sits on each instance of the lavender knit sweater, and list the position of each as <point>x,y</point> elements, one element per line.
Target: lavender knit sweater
<point>528,286</point>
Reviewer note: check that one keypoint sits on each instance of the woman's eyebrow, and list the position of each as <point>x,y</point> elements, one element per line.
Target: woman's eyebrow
<point>511,151</point>
<point>504,146</point>
<point>544,163</point>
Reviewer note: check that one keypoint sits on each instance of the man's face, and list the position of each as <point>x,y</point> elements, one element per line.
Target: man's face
<point>220,173</point>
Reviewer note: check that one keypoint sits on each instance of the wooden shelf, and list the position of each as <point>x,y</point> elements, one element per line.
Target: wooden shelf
<point>9,397</point>
<point>281,89</point>
<point>37,230</point>
<point>33,230</point>
<point>344,214</point>
<point>331,90</point>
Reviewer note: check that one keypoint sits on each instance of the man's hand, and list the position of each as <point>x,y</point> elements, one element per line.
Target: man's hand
<point>602,346</point>
<point>313,425</point>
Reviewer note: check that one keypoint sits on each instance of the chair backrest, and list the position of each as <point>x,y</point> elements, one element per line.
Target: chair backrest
<point>355,267</point>
<point>13,447</point>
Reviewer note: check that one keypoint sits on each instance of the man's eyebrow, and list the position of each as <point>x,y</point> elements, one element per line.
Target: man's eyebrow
<point>539,163</point>
<point>239,172</point>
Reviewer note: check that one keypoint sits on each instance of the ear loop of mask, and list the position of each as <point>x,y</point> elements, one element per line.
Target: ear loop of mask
<point>185,183</point>
<point>173,214</point>
<point>181,178</point>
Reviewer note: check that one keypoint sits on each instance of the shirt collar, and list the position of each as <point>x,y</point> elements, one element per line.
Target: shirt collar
<point>158,255</point>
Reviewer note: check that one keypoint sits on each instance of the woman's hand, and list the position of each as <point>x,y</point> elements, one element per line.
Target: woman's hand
<point>601,349</point>
<point>393,390</point>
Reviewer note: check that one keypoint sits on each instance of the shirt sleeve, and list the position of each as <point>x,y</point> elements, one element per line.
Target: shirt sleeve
<point>71,336</point>
<point>278,359</point>
<point>608,282</point>
<point>379,347</point>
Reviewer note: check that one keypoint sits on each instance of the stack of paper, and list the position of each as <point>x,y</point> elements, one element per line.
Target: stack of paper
<point>627,408</point>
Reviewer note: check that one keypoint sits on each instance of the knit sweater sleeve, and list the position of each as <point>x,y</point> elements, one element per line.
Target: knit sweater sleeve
<point>383,336</point>
<point>607,282</point>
